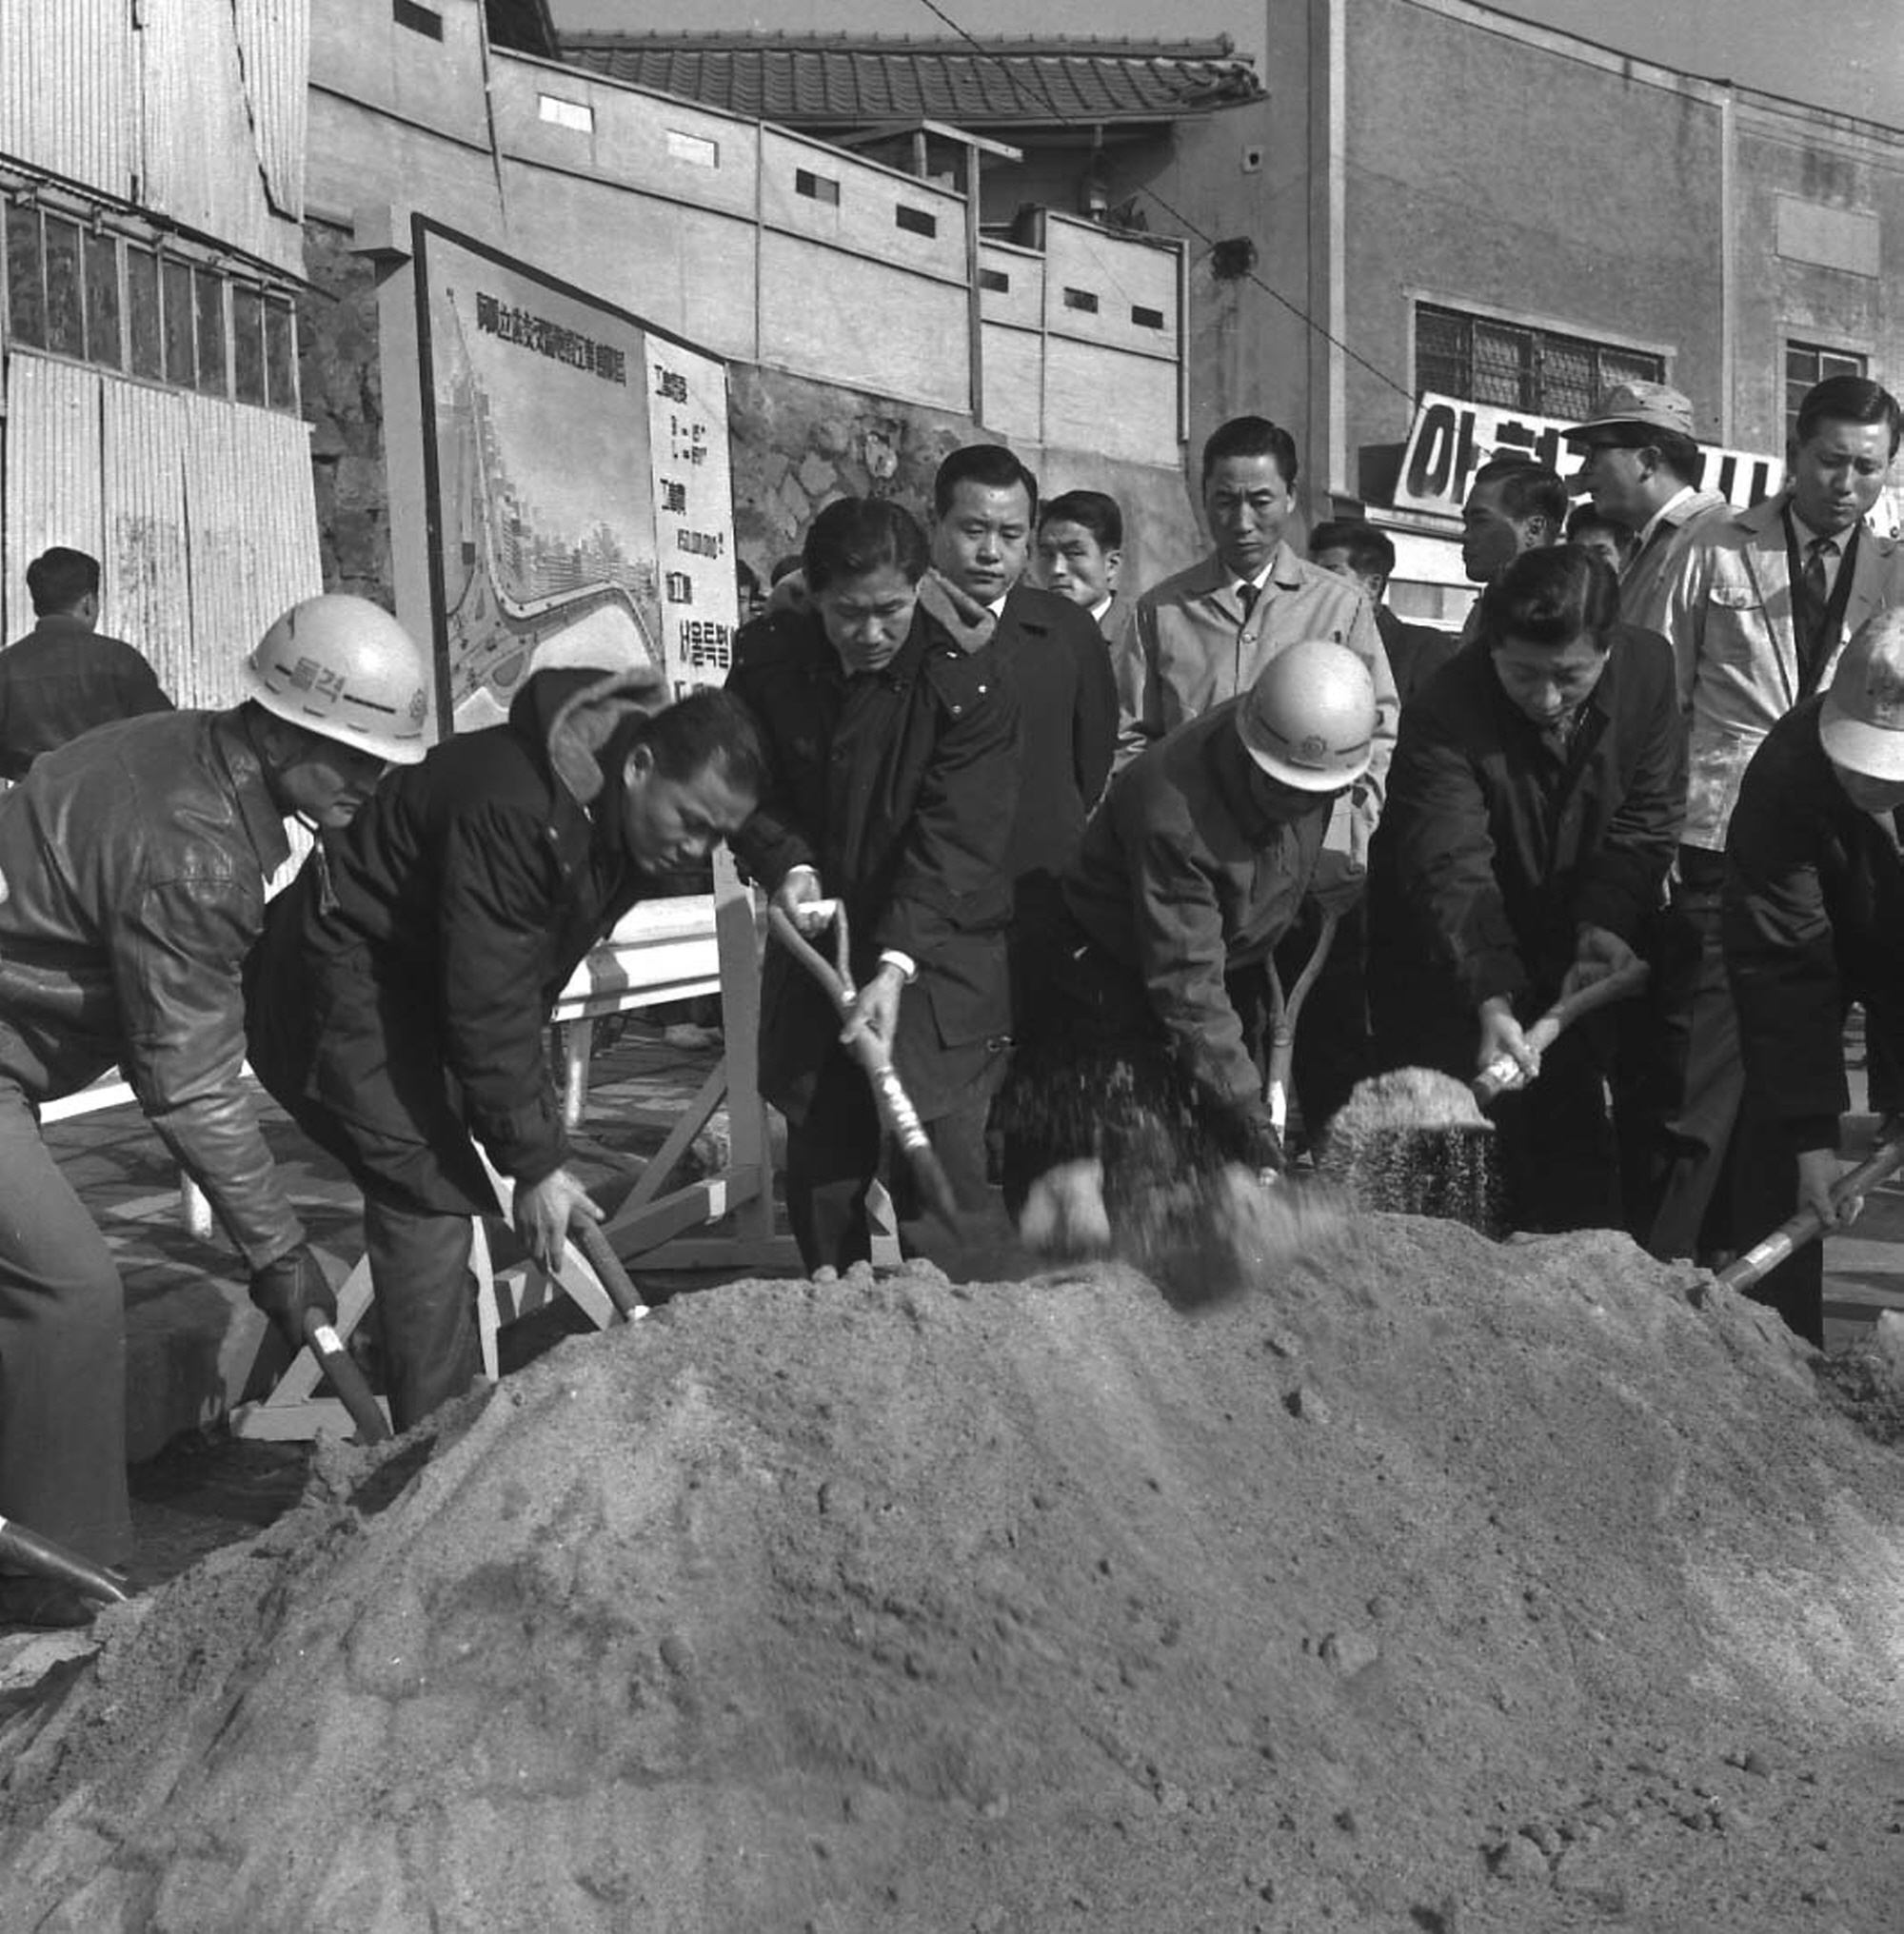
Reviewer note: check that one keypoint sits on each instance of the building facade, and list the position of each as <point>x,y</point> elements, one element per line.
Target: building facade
<point>151,171</point>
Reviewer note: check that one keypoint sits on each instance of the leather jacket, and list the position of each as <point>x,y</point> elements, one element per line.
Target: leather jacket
<point>132,872</point>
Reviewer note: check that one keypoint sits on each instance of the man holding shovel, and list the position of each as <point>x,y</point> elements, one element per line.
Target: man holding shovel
<point>1533,806</point>
<point>1814,919</point>
<point>135,863</point>
<point>892,793</point>
<point>399,1000</point>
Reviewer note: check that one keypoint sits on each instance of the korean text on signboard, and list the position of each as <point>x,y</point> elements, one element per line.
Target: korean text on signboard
<point>1451,439</point>
<point>688,435</point>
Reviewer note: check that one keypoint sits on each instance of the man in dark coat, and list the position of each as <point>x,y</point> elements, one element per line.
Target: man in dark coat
<point>1533,806</point>
<point>1190,873</point>
<point>400,997</point>
<point>65,675</point>
<point>985,508</point>
<point>893,763</point>
<point>1814,919</point>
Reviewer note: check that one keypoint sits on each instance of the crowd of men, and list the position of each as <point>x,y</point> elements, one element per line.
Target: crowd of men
<point>1072,831</point>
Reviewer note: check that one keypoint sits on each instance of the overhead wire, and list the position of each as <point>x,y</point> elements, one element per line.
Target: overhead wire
<point>1191,226</point>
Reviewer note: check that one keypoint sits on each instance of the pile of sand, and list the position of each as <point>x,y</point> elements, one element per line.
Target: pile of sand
<point>1453,1587</point>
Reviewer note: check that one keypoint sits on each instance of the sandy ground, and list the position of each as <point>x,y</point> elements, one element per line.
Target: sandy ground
<point>1433,1585</point>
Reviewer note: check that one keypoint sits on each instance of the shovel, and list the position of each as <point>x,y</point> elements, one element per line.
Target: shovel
<point>895,1111</point>
<point>18,1545</point>
<point>1807,1225</point>
<point>1503,1075</point>
<point>352,1386</point>
<point>1284,1010</point>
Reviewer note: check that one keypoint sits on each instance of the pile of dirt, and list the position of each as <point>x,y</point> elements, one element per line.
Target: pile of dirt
<point>1441,1586</point>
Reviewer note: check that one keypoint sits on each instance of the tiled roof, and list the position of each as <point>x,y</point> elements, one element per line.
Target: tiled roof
<point>848,80</point>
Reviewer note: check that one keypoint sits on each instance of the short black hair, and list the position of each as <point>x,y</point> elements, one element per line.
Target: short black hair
<point>1585,520</point>
<point>1527,488</point>
<point>708,727</point>
<point>1370,552</point>
<point>1251,436</point>
<point>992,466</point>
<point>785,566</point>
<point>1096,512</point>
<point>1551,596</point>
<point>854,535</point>
<point>1848,399</point>
<point>59,578</point>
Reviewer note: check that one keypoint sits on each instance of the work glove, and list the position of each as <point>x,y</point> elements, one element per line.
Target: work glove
<point>290,1288</point>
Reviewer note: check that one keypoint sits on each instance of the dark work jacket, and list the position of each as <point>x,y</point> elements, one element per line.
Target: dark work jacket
<point>1415,652</point>
<point>62,679</point>
<point>898,787</point>
<point>1814,913</point>
<point>400,997</point>
<point>1185,874</point>
<point>1068,698</point>
<point>1494,849</point>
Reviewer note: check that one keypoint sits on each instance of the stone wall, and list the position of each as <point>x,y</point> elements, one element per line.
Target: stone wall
<point>344,404</point>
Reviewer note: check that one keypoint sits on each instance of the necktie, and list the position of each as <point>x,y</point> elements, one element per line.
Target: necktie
<point>1817,585</point>
<point>1246,597</point>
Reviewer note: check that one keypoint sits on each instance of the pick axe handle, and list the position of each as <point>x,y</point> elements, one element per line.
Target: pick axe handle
<point>353,1388</point>
<point>1503,1072</point>
<point>599,1255</point>
<point>1807,1225</point>
<point>19,1546</point>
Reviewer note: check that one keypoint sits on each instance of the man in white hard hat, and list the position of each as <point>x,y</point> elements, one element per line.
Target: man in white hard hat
<point>135,863</point>
<point>1641,464</point>
<point>1814,919</point>
<point>1193,868</point>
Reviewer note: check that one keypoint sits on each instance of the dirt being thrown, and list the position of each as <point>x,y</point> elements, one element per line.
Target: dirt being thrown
<point>1445,1585</point>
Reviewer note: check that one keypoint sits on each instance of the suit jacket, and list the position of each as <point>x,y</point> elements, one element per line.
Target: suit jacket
<point>900,787</point>
<point>1415,652</point>
<point>1643,584</point>
<point>1068,706</point>
<point>1188,646</point>
<point>1728,615</point>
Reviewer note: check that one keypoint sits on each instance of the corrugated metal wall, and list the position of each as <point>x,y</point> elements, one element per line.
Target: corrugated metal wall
<point>201,512</point>
<point>54,485</point>
<point>273,46</point>
<point>66,81</point>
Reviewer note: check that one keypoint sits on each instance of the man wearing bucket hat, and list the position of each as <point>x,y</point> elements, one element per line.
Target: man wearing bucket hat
<point>134,863</point>
<point>1194,867</point>
<point>1640,463</point>
<point>1813,913</point>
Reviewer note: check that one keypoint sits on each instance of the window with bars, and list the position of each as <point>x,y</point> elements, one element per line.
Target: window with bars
<point>1483,360</point>
<point>105,299</point>
<point>1807,365</point>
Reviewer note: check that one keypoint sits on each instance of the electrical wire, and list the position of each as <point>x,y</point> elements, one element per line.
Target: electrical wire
<point>1175,214</point>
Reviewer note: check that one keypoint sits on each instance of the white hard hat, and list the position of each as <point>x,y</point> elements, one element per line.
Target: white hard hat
<point>343,667</point>
<point>1862,722</point>
<point>1309,718</point>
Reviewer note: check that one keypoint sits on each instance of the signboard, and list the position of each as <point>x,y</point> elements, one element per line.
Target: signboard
<point>1451,439</point>
<point>578,495</point>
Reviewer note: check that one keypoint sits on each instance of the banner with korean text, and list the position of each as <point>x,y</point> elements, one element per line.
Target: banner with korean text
<point>577,483</point>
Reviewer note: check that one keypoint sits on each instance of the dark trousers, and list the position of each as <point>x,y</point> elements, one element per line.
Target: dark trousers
<point>837,1150</point>
<point>1702,1079</point>
<point>1333,1047</point>
<point>425,1305</point>
<point>419,1255</point>
<point>1767,1173</point>
<point>61,1354</point>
